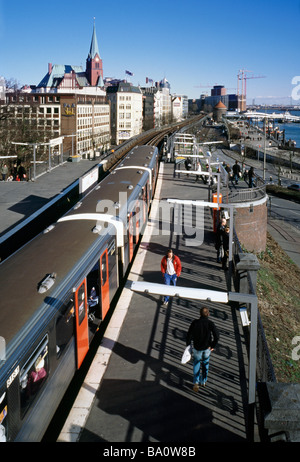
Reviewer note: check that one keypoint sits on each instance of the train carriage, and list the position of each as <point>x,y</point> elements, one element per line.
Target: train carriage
<point>56,290</point>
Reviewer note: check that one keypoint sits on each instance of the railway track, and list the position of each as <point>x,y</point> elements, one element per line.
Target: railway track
<point>151,137</point>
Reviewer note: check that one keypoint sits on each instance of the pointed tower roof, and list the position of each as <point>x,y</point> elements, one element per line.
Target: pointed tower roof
<point>220,105</point>
<point>94,45</point>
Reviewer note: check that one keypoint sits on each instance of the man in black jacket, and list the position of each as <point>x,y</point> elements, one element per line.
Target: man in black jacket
<point>236,169</point>
<point>205,336</point>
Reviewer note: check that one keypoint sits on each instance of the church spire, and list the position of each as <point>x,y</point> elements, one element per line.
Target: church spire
<point>94,45</point>
<point>94,70</point>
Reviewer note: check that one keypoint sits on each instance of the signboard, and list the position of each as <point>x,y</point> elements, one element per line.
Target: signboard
<point>86,181</point>
<point>56,141</point>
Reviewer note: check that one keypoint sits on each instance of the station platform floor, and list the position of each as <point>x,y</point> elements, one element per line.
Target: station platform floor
<point>136,389</point>
<point>20,200</point>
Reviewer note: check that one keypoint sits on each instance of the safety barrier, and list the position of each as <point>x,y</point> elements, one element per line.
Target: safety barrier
<point>265,370</point>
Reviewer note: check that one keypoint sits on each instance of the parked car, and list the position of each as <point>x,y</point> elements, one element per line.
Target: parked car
<point>294,187</point>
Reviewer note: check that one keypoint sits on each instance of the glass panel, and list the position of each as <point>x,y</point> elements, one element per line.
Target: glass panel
<point>65,327</point>
<point>33,375</point>
<point>81,303</point>
<point>103,269</point>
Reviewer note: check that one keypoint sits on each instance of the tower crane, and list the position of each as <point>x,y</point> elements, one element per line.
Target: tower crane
<point>242,75</point>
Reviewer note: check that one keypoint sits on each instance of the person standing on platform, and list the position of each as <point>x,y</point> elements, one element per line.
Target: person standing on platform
<point>205,336</point>
<point>4,172</point>
<point>171,269</point>
<point>219,238</point>
<point>22,172</point>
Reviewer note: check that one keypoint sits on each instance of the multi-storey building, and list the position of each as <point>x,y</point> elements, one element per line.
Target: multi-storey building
<point>219,93</point>
<point>69,103</point>
<point>126,103</point>
<point>179,107</point>
<point>157,105</point>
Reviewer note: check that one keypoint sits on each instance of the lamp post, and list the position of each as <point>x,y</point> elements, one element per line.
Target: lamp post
<point>265,135</point>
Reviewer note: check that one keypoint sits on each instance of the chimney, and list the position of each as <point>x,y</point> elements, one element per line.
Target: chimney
<point>49,68</point>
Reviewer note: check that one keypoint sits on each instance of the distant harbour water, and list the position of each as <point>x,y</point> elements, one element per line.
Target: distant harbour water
<point>292,129</point>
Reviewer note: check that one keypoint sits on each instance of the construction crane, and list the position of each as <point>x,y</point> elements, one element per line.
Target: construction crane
<point>242,75</point>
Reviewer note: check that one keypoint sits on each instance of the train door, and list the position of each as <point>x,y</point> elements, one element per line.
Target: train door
<point>82,332</point>
<point>104,280</point>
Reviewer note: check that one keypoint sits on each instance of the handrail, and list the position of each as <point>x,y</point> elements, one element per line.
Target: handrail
<point>248,194</point>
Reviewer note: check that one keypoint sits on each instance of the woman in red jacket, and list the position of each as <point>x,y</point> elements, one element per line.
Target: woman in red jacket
<point>171,269</point>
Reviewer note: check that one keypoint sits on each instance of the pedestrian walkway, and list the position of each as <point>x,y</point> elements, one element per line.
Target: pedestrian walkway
<point>137,390</point>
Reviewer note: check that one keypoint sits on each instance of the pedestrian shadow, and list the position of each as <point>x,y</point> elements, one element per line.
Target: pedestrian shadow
<point>163,409</point>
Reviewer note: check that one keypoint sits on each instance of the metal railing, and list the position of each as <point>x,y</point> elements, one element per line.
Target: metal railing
<point>42,167</point>
<point>247,194</point>
<point>265,370</point>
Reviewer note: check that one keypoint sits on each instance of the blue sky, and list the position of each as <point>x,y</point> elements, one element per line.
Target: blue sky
<point>193,43</point>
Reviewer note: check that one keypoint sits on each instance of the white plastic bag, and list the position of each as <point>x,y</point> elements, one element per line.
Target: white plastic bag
<point>187,354</point>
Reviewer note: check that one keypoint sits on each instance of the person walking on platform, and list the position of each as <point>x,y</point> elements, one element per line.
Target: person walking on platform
<point>236,170</point>
<point>198,169</point>
<point>219,238</point>
<point>225,239</point>
<point>251,177</point>
<point>188,165</point>
<point>171,269</point>
<point>205,336</point>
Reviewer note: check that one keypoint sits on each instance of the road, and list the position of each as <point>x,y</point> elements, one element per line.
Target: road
<point>283,215</point>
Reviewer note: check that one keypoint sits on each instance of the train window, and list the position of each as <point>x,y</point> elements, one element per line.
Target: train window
<point>81,303</point>
<point>33,375</point>
<point>111,252</point>
<point>65,327</point>
<point>3,415</point>
<point>103,269</point>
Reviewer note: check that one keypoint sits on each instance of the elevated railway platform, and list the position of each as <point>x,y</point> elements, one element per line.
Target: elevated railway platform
<point>136,389</point>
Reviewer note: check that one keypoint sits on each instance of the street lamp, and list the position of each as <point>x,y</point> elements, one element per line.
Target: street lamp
<point>265,135</point>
